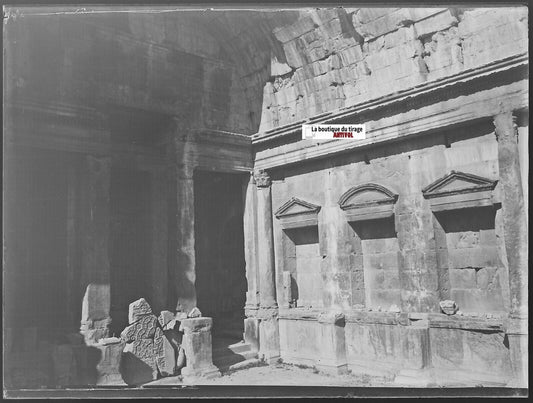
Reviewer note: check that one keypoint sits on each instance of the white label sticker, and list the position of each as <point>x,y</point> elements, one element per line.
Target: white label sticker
<point>328,132</point>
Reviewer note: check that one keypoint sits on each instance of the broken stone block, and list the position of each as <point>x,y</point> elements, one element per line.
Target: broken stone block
<point>165,354</point>
<point>144,328</point>
<point>180,316</point>
<point>138,364</point>
<point>138,309</point>
<point>165,317</point>
<point>194,313</point>
<point>449,307</point>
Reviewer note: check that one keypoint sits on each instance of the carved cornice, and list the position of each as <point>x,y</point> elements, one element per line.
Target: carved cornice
<point>458,190</point>
<point>296,213</point>
<point>307,208</point>
<point>262,179</point>
<point>474,184</point>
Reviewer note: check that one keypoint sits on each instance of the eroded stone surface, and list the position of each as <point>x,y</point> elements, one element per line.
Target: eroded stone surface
<point>449,307</point>
<point>138,309</point>
<point>144,328</point>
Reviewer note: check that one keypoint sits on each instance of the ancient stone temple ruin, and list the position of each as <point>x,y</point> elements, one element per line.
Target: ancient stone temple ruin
<point>163,215</point>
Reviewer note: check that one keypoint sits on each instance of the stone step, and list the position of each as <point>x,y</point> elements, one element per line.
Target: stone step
<point>251,362</point>
<point>226,355</point>
<point>236,361</point>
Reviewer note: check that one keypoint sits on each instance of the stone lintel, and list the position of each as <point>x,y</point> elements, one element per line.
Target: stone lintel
<point>369,213</point>
<point>457,202</point>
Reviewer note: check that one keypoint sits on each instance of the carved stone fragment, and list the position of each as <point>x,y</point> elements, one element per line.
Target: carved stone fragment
<point>449,307</point>
<point>138,309</point>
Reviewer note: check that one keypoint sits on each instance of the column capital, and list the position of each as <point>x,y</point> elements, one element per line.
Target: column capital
<point>262,178</point>
<point>505,125</point>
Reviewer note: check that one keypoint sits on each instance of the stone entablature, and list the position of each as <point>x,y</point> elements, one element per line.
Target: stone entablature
<point>429,107</point>
<point>459,190</point>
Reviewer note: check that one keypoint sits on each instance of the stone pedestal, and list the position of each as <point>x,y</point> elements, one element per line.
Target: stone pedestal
<point>417,357</point>
<point>108,368</point>
<point>332,357</point>
<point>269,350</point>
<point>251,333</point>
<point>198,348</point>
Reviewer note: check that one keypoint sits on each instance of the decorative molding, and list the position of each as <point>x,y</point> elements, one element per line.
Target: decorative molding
<point>297,213</point>
<point>458,190</point>
<point>368,202</point>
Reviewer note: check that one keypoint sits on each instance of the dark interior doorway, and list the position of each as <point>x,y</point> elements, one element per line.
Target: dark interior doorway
<point>130,243</point>
<point>219,246</point>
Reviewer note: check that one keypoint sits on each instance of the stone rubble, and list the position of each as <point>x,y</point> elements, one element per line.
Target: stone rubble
<point>153,344</point>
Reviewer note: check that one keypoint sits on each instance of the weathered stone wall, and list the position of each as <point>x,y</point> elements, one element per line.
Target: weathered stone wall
<point>399,267</point>
<point>342,57</point>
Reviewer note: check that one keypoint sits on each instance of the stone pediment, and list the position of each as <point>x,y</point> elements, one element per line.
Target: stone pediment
<point>458,190</point>
<point>368,202</point>
<point>297,213</point>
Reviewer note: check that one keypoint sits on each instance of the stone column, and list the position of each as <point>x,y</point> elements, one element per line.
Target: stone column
<point>515,234</point>
<point>265,241</point>
<point>159,239</point>
<point>185,274</point>
<point>95,268</point>
<point>268,312</point>
<point>251,323</point>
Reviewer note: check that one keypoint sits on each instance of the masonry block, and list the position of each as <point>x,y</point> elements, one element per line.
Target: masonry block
<point>198,348</point>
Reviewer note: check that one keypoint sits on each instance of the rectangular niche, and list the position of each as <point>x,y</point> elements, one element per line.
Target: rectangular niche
<point>369,209</point>
<point>307,284</point>
<point>475,271</point>
<point>469,261</point>
<point>301,253</point>
<point>379,247</point>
